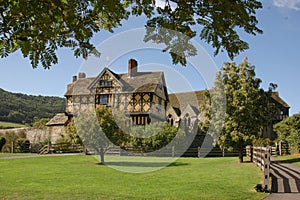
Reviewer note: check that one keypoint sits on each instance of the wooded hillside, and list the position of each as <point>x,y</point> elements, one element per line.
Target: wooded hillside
<point>23,108</point>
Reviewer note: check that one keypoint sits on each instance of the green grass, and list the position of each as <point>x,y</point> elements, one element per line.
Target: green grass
<point>11,125</point>
<point>3,155</point>
<point>80,177</point>
<point>293,159</point>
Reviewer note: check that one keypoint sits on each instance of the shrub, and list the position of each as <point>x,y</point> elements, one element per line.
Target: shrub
<point>12,138</point>
<point>23,145</point>
<point>2,142</point>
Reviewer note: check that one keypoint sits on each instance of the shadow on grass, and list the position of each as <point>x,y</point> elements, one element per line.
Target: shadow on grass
<point>292,160</point>
<point>145,164</point>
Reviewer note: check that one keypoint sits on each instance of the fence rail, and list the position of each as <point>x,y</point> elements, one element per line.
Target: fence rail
<point>171,152</point>
<point>261,157</point>
<point>60,148</point>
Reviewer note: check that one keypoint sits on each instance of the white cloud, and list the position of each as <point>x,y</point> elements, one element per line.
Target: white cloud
<point>292,4</point>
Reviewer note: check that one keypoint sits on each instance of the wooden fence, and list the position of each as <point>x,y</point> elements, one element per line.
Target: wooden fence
<point>172,152</point>
<point>261,157</point>
<point>283,148</point>
<point>61,148</point>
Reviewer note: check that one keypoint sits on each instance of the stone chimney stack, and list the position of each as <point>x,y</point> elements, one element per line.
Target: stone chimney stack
<point>81,75</point>
<point>132,67</point>
<point>74,78</point>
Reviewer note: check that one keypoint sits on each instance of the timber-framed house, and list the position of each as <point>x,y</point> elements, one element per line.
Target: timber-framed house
<point>142,96</point>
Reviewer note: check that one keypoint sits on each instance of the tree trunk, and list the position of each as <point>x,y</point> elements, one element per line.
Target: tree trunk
<point>101,156</point>
<point>241,155</point>
<point>241,149</point>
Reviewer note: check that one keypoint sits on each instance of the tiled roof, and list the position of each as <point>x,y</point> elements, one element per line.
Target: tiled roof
<point>197,98</point>
<point>276,97</point>
<point>182,99</point>
<point>79,87</point>
<point>141,82</point>
<point>58,119</point>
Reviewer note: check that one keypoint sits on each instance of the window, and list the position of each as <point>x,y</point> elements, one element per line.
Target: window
<point>103,99</point>
<point>170,120</point>
<point>141,120</point>
<point>105,83</point>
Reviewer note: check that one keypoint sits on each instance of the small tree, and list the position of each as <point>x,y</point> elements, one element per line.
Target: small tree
<point>248,107</point>
<point>110,122</point>
<point>71,132</point>
<point>91,134</point>
<point>214,110</point>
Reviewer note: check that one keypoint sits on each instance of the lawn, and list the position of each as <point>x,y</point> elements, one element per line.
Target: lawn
<point>10,125</point>
<point>293,159</point>
<point>80,177</point>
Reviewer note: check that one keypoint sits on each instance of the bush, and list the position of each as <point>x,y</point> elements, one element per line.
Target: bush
<point>13,137</point>
<point>289,130</point>
<point>2,142</point>
<point>23,146</point>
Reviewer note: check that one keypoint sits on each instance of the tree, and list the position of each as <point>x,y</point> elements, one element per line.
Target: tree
<point>248,107</point>
<point>40,122</point>
<point>289,130</point>
<point>39,28</point>
<point>154,136</point>
<point>72,136</point>
<point>110,122</point>
<point>214,109</point>
<point>148,138</point>
<point>91,133</point>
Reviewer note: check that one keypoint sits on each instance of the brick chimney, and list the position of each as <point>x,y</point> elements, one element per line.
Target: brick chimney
<point>74,78</point>
<point>132,67</point>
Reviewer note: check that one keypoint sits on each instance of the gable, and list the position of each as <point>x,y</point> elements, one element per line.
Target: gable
<point>191,111</point>
<point>105,79</point>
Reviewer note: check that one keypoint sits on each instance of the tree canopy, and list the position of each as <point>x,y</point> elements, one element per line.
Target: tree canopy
<point>248,107</point>
<point>40,28</point>
<point>289,130</point>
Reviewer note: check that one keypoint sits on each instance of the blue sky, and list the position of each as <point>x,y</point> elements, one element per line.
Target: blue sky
<point>275,54</point>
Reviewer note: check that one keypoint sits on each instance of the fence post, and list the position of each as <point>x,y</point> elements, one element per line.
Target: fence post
<point>280,147</point>
<point>249,152</point>
<point>12,147</point>
<point>49,147</point>
<point>199,155</point>
<point>173,151</point>
<point>266,159</point>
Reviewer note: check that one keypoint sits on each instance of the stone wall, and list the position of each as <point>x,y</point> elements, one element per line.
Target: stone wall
<point>38,135</point>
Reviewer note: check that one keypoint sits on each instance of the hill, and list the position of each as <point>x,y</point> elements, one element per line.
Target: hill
<point>23,108</point>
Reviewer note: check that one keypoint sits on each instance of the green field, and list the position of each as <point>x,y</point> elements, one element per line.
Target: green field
<point>10,125</point>
<point>80,177</point>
